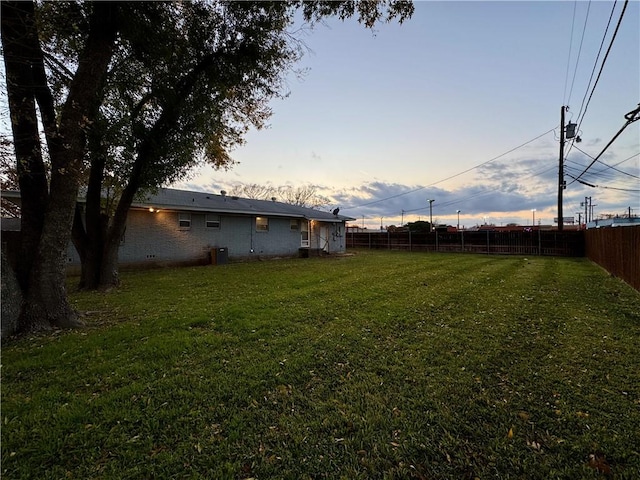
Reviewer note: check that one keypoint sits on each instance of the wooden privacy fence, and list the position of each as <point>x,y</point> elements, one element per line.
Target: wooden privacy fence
<point>617,250</point>
<point>538,242</point>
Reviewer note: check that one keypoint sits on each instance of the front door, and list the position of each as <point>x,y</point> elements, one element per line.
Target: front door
<point>324,238</point>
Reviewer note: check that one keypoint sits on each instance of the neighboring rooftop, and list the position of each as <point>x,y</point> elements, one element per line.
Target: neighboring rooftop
<point>614,222</point>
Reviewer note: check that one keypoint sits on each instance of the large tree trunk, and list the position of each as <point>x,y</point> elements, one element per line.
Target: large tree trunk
<point>109,276</point>
<point>147,153</point>
<point>89,237</point>
<point>109,269</point>
<point>21,53</point>
<point>46,304</point>
<point>89,244</point>
<point>97,241</point>
<point>11,301</point>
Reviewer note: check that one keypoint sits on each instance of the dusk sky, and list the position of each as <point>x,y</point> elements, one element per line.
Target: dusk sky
<point>384,120</point>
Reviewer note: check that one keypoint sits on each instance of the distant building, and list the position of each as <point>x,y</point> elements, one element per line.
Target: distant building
<point>614,222</point>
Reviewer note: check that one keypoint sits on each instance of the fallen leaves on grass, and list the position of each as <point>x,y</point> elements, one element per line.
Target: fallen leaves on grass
<point>535,445</point>
<point>599,463</point>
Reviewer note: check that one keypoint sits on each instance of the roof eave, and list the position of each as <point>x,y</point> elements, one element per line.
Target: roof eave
<point>183,208</point>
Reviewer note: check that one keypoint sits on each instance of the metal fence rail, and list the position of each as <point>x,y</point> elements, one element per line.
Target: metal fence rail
<point>539,242</point>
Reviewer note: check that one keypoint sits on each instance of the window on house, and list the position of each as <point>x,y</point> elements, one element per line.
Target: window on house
<point>262,224</point>
<point>212,221</point>
<point>294,225</point>
<point>184,220</point>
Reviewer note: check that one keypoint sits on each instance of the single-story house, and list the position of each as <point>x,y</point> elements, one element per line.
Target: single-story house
<point>182,227</point>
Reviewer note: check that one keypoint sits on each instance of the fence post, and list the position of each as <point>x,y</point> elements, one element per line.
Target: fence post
<point>410,249</point>
<point>462,239</point>
<point>539,243</point>
<point>488,242</point>
<point>436,240</point>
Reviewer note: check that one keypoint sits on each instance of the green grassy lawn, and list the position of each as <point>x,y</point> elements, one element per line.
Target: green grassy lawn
<point>377,365</point>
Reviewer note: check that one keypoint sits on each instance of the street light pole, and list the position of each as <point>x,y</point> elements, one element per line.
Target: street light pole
<point>533,212</point>
<point>430,215</point>
<point>458,212</point>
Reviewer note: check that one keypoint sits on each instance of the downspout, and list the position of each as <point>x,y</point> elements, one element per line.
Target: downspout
<point>251,250</point>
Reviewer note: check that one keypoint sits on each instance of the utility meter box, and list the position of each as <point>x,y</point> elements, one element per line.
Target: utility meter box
<point>219,256</point>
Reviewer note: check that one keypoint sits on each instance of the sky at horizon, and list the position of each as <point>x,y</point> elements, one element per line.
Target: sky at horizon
<point>382,121</point>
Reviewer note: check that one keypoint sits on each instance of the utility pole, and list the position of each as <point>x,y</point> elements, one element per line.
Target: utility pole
<point>586,205</point>
<point>561,170</point>
<point>430,215</point>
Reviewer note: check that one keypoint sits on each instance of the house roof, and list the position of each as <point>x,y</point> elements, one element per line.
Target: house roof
<point>185,200</point>
<point>172,199</point>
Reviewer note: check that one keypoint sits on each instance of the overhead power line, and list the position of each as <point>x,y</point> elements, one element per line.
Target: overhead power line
<point>604,186</point>
<point>604,61</point>
<point>595,64</point>
<point>584,29</point>
<point>532,175</point>
<point>566,75</point>
<point>612,167</point>
<point>452,176</point>
<point>609,178</point>
<point>631,117</point>
<point>479,194</point>
<point>581,112</point>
